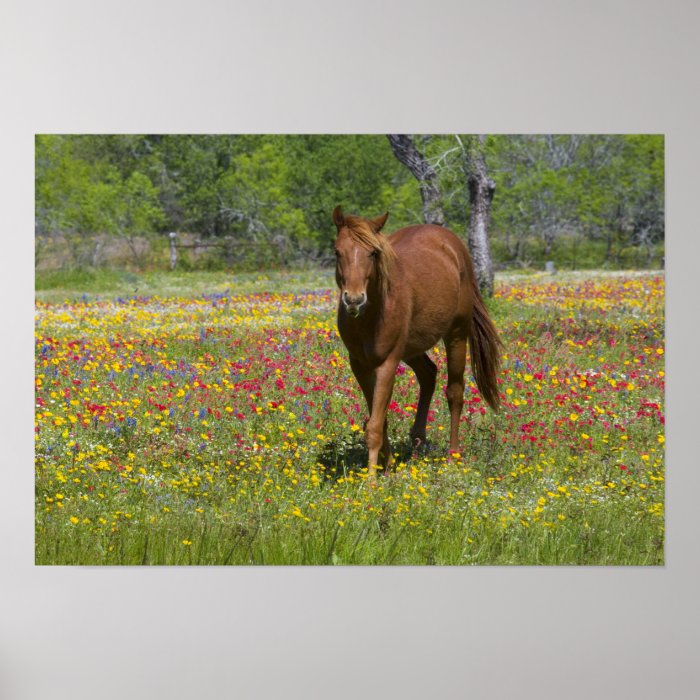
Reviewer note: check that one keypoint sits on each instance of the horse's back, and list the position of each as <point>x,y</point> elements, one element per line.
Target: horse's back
<point>433,251</point>
<point>437,273</point>
<point>429,243</point>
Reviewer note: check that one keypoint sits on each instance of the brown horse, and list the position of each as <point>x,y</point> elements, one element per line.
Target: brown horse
<point>399,295</point>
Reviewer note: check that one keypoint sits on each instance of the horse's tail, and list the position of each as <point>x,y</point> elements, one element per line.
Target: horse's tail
<point>485,346</point>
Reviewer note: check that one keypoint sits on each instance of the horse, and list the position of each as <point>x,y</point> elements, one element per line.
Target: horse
<point>399,296</point>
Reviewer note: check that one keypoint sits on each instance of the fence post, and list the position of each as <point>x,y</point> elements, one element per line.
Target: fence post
<point>228,247</point>
<point>96,253</point>
<point>173,250</point>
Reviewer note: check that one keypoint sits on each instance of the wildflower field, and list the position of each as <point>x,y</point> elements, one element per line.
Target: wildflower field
<point>214,419</point>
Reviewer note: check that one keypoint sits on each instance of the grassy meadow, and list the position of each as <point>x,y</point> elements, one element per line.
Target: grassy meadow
<point>206,418</point>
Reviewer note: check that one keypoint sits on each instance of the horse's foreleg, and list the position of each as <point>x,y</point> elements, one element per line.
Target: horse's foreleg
<point>425,371</point>
<point>366,379</point>
<point>376,433</point>
<point>456,348</point>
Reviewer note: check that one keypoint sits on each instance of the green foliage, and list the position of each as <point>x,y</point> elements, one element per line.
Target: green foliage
<point>580,189</point>
<point>80,196</point>
<point>358,172</point>
<point>602,193</point>
<point>253,198</point>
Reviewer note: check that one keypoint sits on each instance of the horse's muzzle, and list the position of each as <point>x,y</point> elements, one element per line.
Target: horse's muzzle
<point>354,303</point>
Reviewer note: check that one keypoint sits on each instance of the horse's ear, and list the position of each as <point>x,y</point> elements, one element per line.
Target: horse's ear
<point>378,222</point>
<point>338,218</point>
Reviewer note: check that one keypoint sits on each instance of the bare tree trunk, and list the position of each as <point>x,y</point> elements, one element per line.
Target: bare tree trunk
<point>481,191</point>
<point>407,153</point>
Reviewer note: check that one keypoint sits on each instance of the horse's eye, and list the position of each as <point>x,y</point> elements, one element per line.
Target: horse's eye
<point>374,254</point>
<point>337,253</point>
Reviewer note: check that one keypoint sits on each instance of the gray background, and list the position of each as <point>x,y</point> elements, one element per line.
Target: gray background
<point>362,66</point>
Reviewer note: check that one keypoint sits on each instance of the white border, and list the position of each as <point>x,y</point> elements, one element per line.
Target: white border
<point>365,66</point>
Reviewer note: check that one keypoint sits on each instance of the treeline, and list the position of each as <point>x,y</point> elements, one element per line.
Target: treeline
<point>578,200</point>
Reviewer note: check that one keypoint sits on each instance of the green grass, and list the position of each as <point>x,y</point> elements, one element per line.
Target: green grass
<point>56,286</point>
<point>213,419</point>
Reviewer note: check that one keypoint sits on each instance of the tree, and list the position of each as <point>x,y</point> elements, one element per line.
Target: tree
<point>78,200</point>
<point>253,201</point>
<point>481,191</point>
<point>407,153</point>
<point>191,175</point>
<point>132,211</point>
<point>639,186</point>
<point>462,168</point>
<point>358,172</point>
<point>578,199</point>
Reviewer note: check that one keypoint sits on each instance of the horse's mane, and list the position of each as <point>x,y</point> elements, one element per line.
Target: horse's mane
<point>363,232</point>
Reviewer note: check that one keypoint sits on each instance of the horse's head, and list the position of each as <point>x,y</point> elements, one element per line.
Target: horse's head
<point>362,257</point>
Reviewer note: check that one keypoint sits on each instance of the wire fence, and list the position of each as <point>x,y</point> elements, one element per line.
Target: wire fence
<point>186,251</point>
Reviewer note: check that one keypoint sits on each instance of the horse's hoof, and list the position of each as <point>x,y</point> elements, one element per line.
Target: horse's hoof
<point>418,443</point>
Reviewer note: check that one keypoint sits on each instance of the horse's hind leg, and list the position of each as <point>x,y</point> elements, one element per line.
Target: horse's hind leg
<point>425,371</point>
<point>456,347</point>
